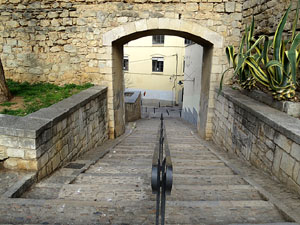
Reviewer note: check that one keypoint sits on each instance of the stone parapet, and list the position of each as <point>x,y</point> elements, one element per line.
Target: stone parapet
<point>267,138</point>
<point>45,140</point>
<point>132,106</point>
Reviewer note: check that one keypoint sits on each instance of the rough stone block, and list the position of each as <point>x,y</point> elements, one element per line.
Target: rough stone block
<point>55,22</point>
<point>295,152</point>
<point>270,144</point>
<point>206,7</point>
<point>277,160</point>
<point>283,142</point>
<point>219,7</point>
<point>21,164</point>
<point>296,171</point>
<point>130,28</point>
<point>56,161</point>
<point>3,154</point>
<point>15,152</point>
<point>55,49</point>
<point>141,25</point>
<point>11,163</point>
<point>230,7</point>
<point>298,179</point>
<point>27,165</point>
<point>52,15</point>
<point>192,6</point>
<point>287,164</point>
<point>89,13</point>
<point>267,131</point>
<point>30,154</point>
<point>6,49</point>
<point>42,161</point>
<point>270,155</point>
<point>67,21</point>
<point>12,24</point>
<point>70,48</point>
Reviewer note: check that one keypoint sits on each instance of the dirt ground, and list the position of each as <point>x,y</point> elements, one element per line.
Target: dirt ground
<point>19,104</point>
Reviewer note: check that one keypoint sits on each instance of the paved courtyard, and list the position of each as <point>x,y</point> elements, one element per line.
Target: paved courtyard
<point>111,185</point>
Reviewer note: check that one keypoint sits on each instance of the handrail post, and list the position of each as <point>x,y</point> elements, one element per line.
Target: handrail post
<point>162,172</point>
<point>158,193</point>
<point>163,193</point>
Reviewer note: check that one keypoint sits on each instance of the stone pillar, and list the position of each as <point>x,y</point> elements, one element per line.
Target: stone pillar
<point>118,89</point>
<point>204,95</point>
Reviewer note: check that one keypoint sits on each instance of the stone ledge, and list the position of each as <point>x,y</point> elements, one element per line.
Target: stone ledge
<point>291,108</point>
<point>34,124</point>
<point>131,99</point>
<point>280,121</point>
<point>22,126</point>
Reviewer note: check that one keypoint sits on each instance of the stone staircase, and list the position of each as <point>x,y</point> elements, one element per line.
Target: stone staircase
<point>116,189</point>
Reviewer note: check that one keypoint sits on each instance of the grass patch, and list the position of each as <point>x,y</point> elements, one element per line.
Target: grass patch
<point>39,95</point>
<point>8,104</point>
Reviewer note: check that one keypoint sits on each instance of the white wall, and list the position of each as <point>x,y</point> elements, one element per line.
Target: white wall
<point>159,86</point>
<point>192,89</point>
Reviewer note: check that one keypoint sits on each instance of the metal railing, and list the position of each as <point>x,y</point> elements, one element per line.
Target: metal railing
<point>162,172</point>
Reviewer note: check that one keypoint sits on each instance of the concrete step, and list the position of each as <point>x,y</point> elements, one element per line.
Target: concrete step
<point>178,179</point>
<point>175,156</point>
<point>137,212</point>
<point>213,193</point>
<point>283,223</point>
<point>121,189</point>
<point>27,211</point>
<point>189,179</point>
<point>221,212</point>
<point>119,179</point>
<point>180,154</point>
<point>114,170</point>
<point>205,170</point>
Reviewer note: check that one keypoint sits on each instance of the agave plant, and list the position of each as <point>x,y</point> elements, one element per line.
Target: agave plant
<point>278,72</point>
<point>248,50</point>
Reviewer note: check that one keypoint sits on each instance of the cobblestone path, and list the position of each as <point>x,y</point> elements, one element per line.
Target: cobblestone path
<point>116,189</point>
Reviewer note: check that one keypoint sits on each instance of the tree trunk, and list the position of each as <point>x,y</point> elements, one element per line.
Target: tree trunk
<point>5,94</point>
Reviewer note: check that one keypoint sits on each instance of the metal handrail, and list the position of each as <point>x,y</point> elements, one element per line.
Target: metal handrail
<point>162,172</point>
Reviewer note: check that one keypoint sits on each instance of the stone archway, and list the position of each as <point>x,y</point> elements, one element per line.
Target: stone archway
<point>114,40</point>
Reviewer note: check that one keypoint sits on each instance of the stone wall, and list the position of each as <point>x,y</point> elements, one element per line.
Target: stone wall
<point>133,103</point>
<point>267,14</point>
<point>267,138</point>
<point>63,41</point>
<point>45,140</point>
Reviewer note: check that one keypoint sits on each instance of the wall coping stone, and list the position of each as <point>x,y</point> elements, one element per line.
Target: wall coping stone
<point>133,98</point>
<point>291,108</point>
<point>280,121</point>
<point>32,125</point>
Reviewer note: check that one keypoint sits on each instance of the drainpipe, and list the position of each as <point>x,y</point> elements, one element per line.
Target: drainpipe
<point>175,81</point>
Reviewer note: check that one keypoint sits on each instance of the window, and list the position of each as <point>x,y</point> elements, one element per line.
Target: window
<point>157,64</point>
<point>188,42</point>
<point>125,63</point>
<point>158,39</point>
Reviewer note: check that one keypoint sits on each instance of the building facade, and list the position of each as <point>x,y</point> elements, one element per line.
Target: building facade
<point>154,65</point>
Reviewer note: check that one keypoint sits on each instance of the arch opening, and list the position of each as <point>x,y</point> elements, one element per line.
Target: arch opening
<point>116,38</point>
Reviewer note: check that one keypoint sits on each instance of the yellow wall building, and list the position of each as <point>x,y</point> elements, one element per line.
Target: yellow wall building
<point>154,65</point>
